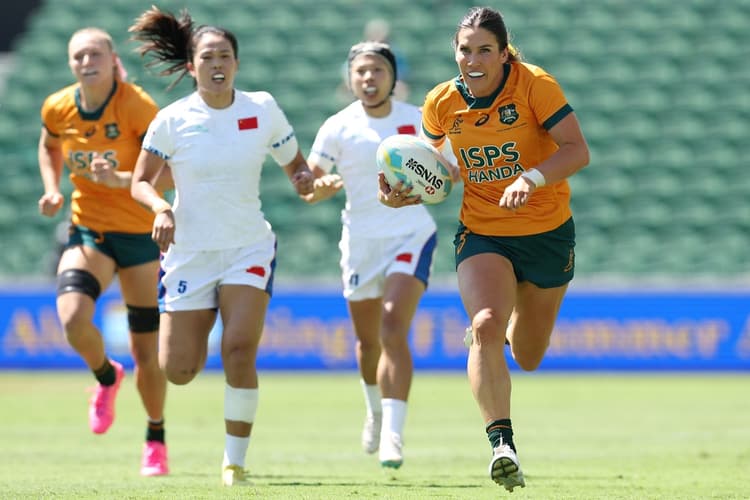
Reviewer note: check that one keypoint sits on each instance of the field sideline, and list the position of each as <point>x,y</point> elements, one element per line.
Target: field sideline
<point>598,436</point>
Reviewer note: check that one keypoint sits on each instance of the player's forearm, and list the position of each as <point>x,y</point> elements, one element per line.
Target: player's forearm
<point>50,168</point>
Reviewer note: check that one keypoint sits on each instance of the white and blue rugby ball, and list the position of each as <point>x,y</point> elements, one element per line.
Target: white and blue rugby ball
<point>409,159</point>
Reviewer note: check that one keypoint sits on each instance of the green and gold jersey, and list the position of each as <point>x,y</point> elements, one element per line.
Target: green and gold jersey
<point>114,132</point>
<point>496,139</point>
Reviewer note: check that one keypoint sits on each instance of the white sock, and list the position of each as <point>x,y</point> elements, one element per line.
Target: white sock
<point>235,450</point>
<point>394,416</point>
<point>372,398</point>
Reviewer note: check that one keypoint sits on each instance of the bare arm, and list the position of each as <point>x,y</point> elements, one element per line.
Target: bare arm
<point>440,146</point>
<point>324,185</point>
<point>572,155</point>
<point>300,175</point>
<point>50,159</point>
<point>148,170</point>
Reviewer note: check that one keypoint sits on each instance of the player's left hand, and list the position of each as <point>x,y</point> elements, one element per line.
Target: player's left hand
<point>517,194</point>
<point>103,172</point>
<point>395,196</point>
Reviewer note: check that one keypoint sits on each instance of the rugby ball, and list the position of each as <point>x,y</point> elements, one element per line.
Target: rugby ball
<point>409,159</point>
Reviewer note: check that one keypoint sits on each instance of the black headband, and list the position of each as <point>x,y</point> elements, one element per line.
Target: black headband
<point>379,48</point>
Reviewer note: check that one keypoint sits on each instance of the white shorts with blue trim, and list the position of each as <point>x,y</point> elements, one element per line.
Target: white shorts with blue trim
<point>366,262</point>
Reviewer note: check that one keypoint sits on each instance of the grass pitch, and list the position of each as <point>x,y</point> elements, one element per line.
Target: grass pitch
<point>666,436</point>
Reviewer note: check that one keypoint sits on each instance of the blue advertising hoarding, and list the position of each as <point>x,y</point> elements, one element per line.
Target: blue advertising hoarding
<point>311,331</point>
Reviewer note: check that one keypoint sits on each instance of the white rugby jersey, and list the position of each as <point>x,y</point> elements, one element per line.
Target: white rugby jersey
<point>348,140</point>
<point>216,156</point>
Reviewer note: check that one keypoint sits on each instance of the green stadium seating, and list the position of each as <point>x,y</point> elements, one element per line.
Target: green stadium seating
<point>661,93</point>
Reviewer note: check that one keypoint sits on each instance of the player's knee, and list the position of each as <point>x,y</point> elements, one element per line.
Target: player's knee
<point>488,327</point>
<point>394,329</point>
<point>179,376</point>
<point>239,349</point>
<point>79,281</point>
<point>528,356</point>
<point>527,362</point>
<point>143,319</point>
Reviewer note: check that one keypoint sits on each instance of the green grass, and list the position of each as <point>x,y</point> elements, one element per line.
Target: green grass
<point>579,436</point>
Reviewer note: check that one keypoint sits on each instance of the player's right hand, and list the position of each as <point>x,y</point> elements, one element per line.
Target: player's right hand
<point>163,230</point>
<point>50,203</point>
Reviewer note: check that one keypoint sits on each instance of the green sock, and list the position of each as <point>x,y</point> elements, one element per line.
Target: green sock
<point>106,373</point>
<point>500,431</point>
<point>155,431</point>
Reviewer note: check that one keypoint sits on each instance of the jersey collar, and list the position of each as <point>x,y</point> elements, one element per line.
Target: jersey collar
<point>97,114</point>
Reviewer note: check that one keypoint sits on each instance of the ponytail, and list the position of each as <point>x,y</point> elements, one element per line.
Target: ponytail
<point>166,39</point>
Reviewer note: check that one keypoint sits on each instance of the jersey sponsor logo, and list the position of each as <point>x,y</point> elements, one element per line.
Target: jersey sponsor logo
<point>508,114</point>
<point>486,156</point>
<point>491,163</point>
<point>111,131</point>
<point>482,120</point>
<point>419,169</point>
<point>456,127</point>
<point>248,123</point>
<point>494,173</point>
<point>407,129</point>
<point>79,161</point>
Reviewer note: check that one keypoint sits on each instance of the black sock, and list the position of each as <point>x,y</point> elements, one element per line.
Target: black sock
<point>106,373</point>
<point>155,431</point>
<point>500,431</point>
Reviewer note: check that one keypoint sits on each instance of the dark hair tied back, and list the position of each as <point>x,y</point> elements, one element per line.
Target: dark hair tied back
<point>166,39</point>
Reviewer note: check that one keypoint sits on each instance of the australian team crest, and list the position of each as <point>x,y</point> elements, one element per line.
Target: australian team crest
<point>111,131</point>
<point>508,114</point>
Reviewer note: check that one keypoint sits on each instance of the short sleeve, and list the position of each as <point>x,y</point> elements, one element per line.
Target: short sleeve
<point>284,146</point>
<point>431,126</point>
<point>49,117</point>
<point>158,140</point>
<point>547,101</point>
<point>325,150</point>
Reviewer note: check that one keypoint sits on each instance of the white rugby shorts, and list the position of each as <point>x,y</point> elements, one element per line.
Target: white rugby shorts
<point>190,280</point>
<point>366,262</point>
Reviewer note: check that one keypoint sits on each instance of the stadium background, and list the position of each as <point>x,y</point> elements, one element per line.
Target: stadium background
<point>662,212</point>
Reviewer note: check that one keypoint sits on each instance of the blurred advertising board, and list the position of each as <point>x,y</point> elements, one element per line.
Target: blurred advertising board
<point>597,331</point>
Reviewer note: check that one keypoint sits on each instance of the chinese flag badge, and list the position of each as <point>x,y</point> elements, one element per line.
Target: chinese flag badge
<point>247,123</point>
<point>407,129</point>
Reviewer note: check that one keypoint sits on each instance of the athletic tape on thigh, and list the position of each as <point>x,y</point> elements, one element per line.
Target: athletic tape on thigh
<point>80,281</point>
<point>143,319</point>
<point>240,405</point>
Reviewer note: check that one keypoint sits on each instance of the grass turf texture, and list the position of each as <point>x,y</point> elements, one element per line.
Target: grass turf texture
<point>579,436</point>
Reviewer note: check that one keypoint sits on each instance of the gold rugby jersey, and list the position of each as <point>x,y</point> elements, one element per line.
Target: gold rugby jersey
<point>496,139</point>
<point>115,132</point>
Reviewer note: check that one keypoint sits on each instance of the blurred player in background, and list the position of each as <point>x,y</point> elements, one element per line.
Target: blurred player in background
<point>518,141</point>
<point>386,254</point>
<point>95,127</point>
<point>379,30</point>
<point>220,253</point>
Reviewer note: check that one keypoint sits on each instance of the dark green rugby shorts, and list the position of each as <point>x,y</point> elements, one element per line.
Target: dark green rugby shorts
<point>126,249</point>
<point>546,259</point>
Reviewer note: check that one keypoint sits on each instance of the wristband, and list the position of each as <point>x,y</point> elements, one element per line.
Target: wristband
<point>161,205</point>
<point>535,176</point>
